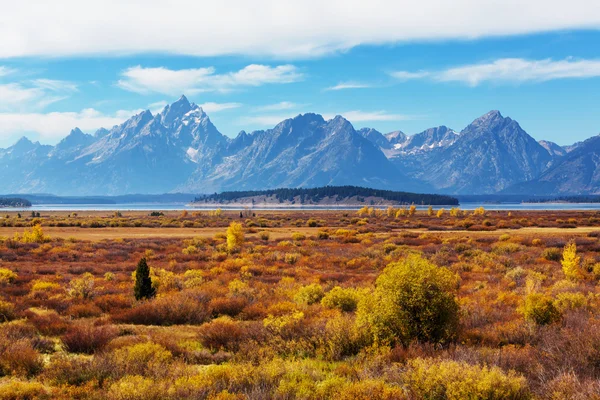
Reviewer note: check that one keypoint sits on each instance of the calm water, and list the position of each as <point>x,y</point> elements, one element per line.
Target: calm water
<point>181,206</point>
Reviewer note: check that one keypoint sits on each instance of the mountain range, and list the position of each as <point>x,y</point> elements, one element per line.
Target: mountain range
<point>180,150</point>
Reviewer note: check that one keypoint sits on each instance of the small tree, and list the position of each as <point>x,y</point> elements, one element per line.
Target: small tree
<point>570,262</point>
<point>430,211</point>
<point>143,283</point>
<point>412,210</point>
<point>235,236</point>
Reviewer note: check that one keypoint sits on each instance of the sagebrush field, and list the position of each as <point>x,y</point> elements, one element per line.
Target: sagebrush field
<point>374,304</point>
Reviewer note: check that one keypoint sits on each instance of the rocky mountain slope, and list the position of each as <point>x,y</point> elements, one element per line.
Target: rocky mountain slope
<point>179,149</point>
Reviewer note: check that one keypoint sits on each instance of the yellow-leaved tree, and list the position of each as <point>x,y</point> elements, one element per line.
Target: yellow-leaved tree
<point>235,236</point>
<point>571,262</point>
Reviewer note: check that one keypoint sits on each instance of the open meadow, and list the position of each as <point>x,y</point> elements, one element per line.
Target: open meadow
<point>368,304</point>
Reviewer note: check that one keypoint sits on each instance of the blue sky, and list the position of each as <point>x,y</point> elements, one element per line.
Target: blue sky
<point>385,66</point>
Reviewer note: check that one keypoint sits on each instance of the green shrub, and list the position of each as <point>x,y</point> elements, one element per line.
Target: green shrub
<point>344,299</point>
<point>552,254</point>
<point>309,294</point>
<point>539,309</point>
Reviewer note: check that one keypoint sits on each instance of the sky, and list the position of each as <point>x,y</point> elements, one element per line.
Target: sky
<point>390,65</point>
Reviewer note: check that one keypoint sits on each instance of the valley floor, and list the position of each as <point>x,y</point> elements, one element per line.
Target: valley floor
<point>301,305</point>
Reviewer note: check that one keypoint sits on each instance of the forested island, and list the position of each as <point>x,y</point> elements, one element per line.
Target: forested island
<point>14,202</point>
<point>324,196</point>
<point>567,199</point>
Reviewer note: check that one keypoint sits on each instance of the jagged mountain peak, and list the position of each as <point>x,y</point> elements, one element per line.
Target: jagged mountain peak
<point>396,137</point>
<point>375,137</point>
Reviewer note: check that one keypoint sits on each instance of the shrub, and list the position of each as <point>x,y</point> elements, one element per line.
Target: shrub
<point>451,380</point>
<point>135,388</point>
<point>14,389</point>
<point>193,278</point>
<point>309,294</point>
<point>88,339</point>
<point>298,236</point>
<point>264,236</point>
<point>570,301</point>
<point>7,276</point>
<point>413,300</point>
<point>291,258</point>
<point>41,288</point>
<point>142,358</point>
<point>180,308</point>
<point>35,235</point>
<point>344,299</point>
<point>83,287</point>
<point>221,334</point>
<point>7,311</point>
<point>19,358</point>
<point>539,309</point>
<point>551,254</point>
<point>87,310</point>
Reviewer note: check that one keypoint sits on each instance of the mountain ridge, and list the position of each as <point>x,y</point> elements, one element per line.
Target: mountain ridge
<point>180,150</point>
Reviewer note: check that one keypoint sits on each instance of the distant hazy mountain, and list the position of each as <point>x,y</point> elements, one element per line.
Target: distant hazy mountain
<point>578,172</point>
<point>179,149</point>
<point>552,148</point>
<point>490,154</point>
<point>305,151</point>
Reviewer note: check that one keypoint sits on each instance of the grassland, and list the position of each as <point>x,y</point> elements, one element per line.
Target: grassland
<point>301,305</point>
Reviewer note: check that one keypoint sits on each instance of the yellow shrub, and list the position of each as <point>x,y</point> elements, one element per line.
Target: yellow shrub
<point>142,358</point>
<point>570,301</point>
<point>414,299</point>
<point>309,294</point>
<point>135,388</point>
<point>13,389</point>
<point>451,380</point>
<point>35,235</point>
<point>540,309</point>
<point>193,278</point>
<point>343,299</point>
<point>7,276</point>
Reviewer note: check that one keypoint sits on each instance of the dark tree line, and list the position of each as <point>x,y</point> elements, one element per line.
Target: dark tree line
<point>14,202</point>
<point>341,192</point>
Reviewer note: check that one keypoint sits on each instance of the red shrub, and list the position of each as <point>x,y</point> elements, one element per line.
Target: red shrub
<point>88,339</point>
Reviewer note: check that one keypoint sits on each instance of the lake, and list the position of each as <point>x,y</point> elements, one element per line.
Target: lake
<point>182,206</point>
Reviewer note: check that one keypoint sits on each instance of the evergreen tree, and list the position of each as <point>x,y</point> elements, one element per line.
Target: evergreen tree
<point>143,283</point>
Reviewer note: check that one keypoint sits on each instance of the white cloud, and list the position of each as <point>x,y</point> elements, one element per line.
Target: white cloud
<point>282,105</point>
<point>196,80</point>
<point>349,85</point>
<point>6,71</point>
<point>35,94</point>
<point>515,70</point>
<point>50,127</point>
<point>55,85</point>
<point>216,107</point>
<point>265,28</point>
<point>157,106</point>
